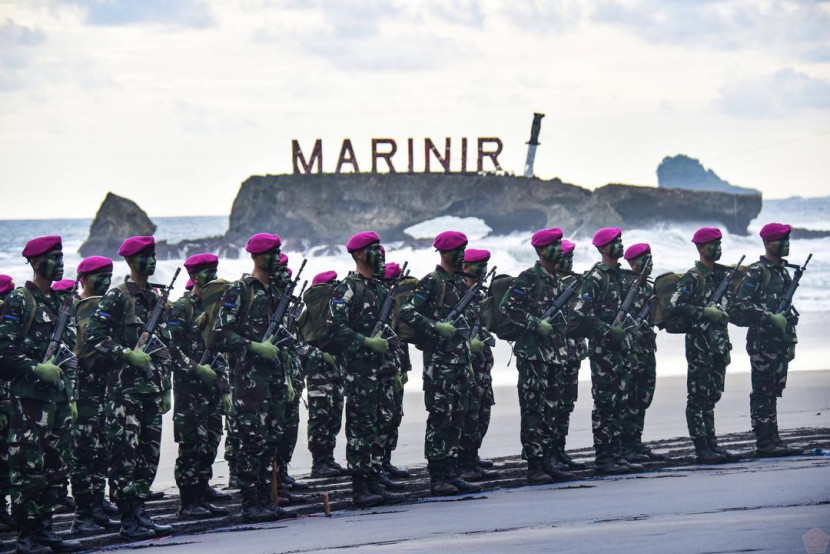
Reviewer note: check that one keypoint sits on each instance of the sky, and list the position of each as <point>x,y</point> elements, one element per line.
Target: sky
<point>175,103</point>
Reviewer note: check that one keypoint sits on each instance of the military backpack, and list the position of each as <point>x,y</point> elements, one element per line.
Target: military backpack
<point>212,294</point>
<point>491,316</point>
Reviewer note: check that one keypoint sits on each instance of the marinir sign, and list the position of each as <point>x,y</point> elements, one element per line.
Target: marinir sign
<point>385,149</point>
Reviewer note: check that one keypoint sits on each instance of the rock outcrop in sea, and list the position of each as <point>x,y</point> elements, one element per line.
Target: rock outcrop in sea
<point>117,219</point>
<point>683,172</point>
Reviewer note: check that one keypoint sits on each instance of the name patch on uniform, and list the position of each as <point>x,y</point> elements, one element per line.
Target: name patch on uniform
<point>518,291</point>
<point>421,296</point>
<point>105,314</point>
<point>229,304</point>
<point>9,316</point>
<point>338,301</point>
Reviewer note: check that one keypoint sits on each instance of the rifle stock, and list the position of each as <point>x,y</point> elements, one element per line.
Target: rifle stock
<point>147,339</point>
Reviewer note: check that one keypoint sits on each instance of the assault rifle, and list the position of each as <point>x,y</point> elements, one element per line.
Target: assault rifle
<point>275,325</point>
<point>556,313</point>
<point>786,304</point>
<point>457,311</point>
<point>719,292</point>
<point>386,310</point>
<point>641,317</point>
<point>623,313</point>
<point>476,328</point>
<point>56,346</point>
<point>147,339</point>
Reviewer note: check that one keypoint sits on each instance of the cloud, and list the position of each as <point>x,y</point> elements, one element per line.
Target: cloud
<point>17,50</point>
<point>783,93</point>
<point>545,17</point>
<point>194,14</point>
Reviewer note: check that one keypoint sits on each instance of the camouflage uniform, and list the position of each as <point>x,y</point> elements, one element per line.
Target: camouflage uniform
<point>5,410</point>
<point>482,367</point>
<point>770,351</point>
<point>197,410</point>
<point>40,416</point>
<point>288,441</point>
<point>325,404</point>
<point>397,413</point>
<point>707,356</point>
<point>538,359</point>
<point>355,308</point>
<point>644,372</point>
<point>134,403</point>
<point>599,301</point>
<point>258,385</point>
<point>448,376</point>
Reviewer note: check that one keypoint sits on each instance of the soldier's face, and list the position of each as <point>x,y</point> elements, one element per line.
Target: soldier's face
<point>98,283</point>
<point>376,258</point>
<point>475,270</point>
<point>50,266</point>
<point>615,249</point>
<point>144,263</point>
<point>566,263</point>
<point>268,261</point>
<point>552,252</point>
<point>204,277</point>
<point>781,247</point>
<point>457,257</point>
<point>712,250</point>
<point>639,262</point>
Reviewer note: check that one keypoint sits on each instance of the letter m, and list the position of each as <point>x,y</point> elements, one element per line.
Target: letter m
<point>298,159</point>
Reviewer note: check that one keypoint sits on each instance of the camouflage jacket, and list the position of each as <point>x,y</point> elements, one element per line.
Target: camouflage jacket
<point>316,369</point>
<point>5,398</point>
<point>353,312</point>
<point>20,354</point>
<point>761,290</point>
<point>577,348</point>
<point>116,325</point>
<point>647,339</point>
<point>530,295</point>
<point>425,308</point>
<point>689,299</point>
<point>92,368</point>
<point>600,298</point>
<point>186,335</point>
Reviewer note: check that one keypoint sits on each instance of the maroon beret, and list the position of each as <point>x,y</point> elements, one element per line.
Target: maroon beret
<point>361,240</point>
<point>544,237</point>
<point>189,284</point>
<point>42,245</point>
<point>198,262</point>
<point>774,231</point>
<point>95,264</point>
<point>472,255</point>
<point>605,236</point>
<point>283,259</point>
<point>706,234</point>
<point>449,240</point>
<point>567,247</point>
<point>6,284</point>
<point>64,285</point>
<point>392,271</point>
<point>136,245</point>
<point>289,272</point>
<point>262,242</point>
<point>636,250</point>
<point>324,277</point>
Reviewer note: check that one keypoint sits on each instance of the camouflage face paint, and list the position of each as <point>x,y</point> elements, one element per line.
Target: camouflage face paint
<point>99,283</point>
<point>552,252</point>
<point>376,258</point>
<point>204,277</point>
<point>51,265</point>
<point>566,263</point>
<point>640,262</point>
<point>616,250</point>
<point>713,250</point>
<point>144,263</point>
<point>782,247</point>
<point>476,271</point>
<point>458,259</point>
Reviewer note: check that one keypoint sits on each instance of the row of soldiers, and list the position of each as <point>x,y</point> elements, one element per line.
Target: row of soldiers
<point>242,368</point>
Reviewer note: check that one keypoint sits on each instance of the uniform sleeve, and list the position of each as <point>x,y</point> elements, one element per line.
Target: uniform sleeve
<point>414,311</point>
<point>177,326</point>
<point>683,301</point>
<point>585,309</point>
<point>514,305</point>
<point>101,332</point>
<point>340,308</point>
<point>226,336</point>
<point>745,303</point>
<point>13,358</point>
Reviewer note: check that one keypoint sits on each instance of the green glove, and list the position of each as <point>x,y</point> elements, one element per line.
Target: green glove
<point>73,411</point>
<point>779,322</point>
<point>226,404</point>
<point>329,358</point>
<point>137,358</point>
<point>264,350</point>
<point>205,373</point>
<point>290,395</point>
<point>4,421</point>
<point>544,328</point>
<point>49,372</point>
<point>398,382</point>
<point>404,377</point>
<point>476,346</point>
<point>617,334</point>
<point>378,344</point>
<point>166,403</point>
<point>446,330</point>
<point>713,314</point>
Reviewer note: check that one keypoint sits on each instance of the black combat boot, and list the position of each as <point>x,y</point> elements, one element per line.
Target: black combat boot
<point>252,509</point>
<point>452,477</point>
<point>130,528</point>
<point>469,463</point>
<point>214,495</point>
<point>556,470</point>
<point>190,508</point>
<point>562,455</point>
<point>233,480</point>
<point>7,522</point>
<point>727,456</point>
<point>394,472</point>
<point>646,451</point>
<point>27,540</point>
<point>605,464</point>
<point>152,496</point>
<point>485,463</point>
<point>83,522</point>
<point>389,497</point>
<point>106,506</point>
<point>146,521</point>
<point>265,501</point>
<point>536,474</point>
<point>46,535</point>
<point>388,483</point>
<point>67,503</point>
<point>289,481</point>
<point>362,497</point>
<point>202,498</point>
<point>704,454</point>
<point>776,440</point>
<point>320,467</point>
<point>764,445</point>
<point>631,455</point>
<point>96,510</point>
<point>438,485</point>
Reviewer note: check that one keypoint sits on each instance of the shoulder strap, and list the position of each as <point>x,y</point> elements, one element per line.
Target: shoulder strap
<point>130,315</point>
<point>29,306</point>
<point>443,288</point>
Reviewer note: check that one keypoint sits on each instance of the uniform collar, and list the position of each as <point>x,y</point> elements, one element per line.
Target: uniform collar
<point>702,268</point>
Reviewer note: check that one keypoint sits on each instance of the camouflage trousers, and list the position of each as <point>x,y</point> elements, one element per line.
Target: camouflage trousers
<point>38,437</point>
<point>769,378</point>
<point>134,437</point>
<point>537,406</point>
<point>641,392</point>
<point>705,382</point>
<point>291,428</point>
<point>89,450</point>
<point>369,408</point>
<point>397,418</point>
<point>447,390</point>
<point>484,383</point>
<point>5,487</point>
<point>325,415</point>
<point>259,427</point>
<point>197,428</point>
<point>610,369</point>
<point>567,389</point>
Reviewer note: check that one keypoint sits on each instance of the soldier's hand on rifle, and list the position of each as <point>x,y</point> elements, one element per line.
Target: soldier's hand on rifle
<point>264,350</point>
<point>166,403</point>
<point>778,322</point>
<point>446,330</point>
<point>378,344</point>
<point>476,346</point>
<point>329,358</point>
<point>544,328</point>
<point>398,381</point>
<point>137,358</point>
<point>48,371</point>
<point>73,411</point>
<point>226,404</point>
<point>617,334</point>
<point>404,377</point>
<point>205,373</point>
<point>290,395</point>
<point>713,314</point>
